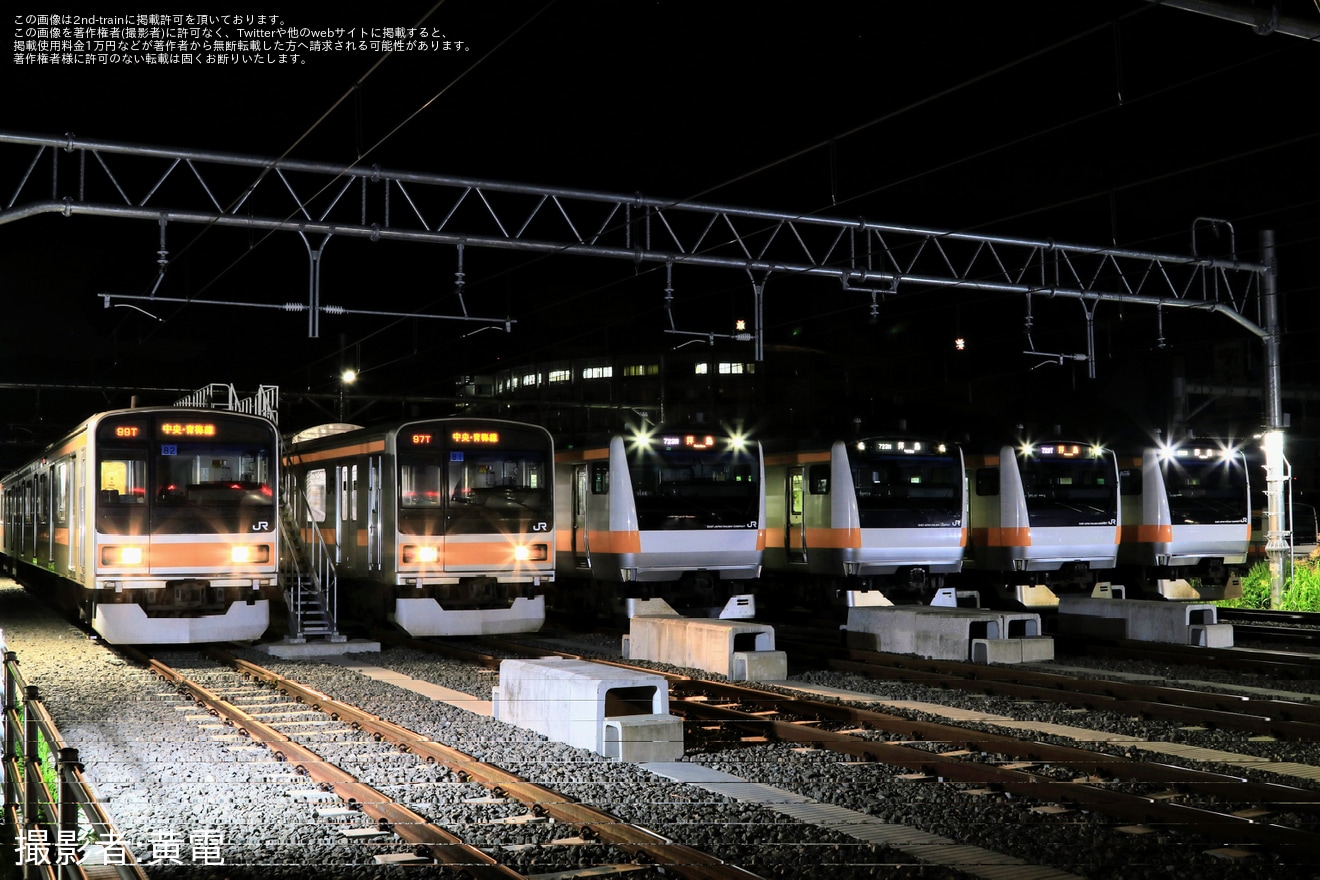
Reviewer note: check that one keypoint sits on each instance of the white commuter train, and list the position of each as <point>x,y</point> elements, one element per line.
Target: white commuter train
<point>673,514</point>
<point>873,513</point>
<point>1042,514</point>
<point>1186,513</point>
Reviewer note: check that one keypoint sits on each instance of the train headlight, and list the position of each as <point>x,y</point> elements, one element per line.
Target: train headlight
<point>120,554</point>
<point>414,554</point>
<point>249,553</point>
<point>531,552</point>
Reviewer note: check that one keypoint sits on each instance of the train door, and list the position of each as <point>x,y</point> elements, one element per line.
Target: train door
<point>581,492</point>
<point>45,533</point>
<point>342,526</point>
<point>795,536</point>
<point>76,477</point>
<point>374,524</point>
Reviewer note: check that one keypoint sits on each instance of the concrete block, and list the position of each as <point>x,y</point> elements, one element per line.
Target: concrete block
<point>576,702</point>
<point>937,633</point>
<point>642,738</point>
<point>1031,650</point>
<point>759,666</point>
<point>1146,620</point>
<point>1212,635</point>
<point>707,644</point>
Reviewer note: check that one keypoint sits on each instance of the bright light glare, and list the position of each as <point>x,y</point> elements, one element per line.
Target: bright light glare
<point>522,553</point>
<point>348,377</point>
<point>427,554</point>
<point>131,555</point>
<point>240,553</point>
<point>1272,443</point>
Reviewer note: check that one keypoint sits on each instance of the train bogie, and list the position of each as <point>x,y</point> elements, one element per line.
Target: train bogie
<point>154,525</point>
<point>443,526</point>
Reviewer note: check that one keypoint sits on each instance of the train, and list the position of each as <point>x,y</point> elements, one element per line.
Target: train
<point>154,525</point>
<point>1186,514</point>
<point>1043,514</point>
<point>162,525</point>
<point>870,515</point>
<point>856,522</point>
<point>444,527</point>
<point>677,514</point>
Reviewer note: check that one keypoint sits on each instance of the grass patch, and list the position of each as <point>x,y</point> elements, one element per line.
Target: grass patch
<point>1301,591</point>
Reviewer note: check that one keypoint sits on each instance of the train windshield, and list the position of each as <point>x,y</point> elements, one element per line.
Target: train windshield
<point>1206,490</point>
<point>175,475</point>
<point>465,482</point>
<point>684,488</point>
<point>1063,490</point>
<point>896,490</point>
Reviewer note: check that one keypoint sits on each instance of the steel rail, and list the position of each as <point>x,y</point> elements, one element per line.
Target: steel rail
<point>591,823</point>
<point>1302,846</point>
<point>439,844</point>
<point>1279,718</point>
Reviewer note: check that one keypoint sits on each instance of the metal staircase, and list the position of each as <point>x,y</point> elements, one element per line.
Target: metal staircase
<point>307,572</point>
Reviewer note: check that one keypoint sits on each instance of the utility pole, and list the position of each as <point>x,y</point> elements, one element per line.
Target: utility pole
<point>1276,464</point>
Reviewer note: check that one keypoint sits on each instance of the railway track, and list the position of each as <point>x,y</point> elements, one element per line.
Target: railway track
<point>376,815</point>
<point>1225,810</point>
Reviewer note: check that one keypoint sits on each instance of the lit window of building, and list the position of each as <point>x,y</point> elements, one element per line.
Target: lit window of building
<point>632,370</point>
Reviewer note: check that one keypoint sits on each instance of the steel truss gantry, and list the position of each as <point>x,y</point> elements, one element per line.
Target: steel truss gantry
<point>316,200</point>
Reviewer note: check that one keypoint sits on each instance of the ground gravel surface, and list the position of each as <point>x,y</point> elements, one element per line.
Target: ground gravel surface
<point>166,774</point>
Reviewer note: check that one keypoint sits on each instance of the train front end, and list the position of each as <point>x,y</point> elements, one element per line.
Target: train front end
<point>675,515</point>
<point>1186,515</point>
<point>1045,513</point>
<point>474,525</point>
<point>185,533</point>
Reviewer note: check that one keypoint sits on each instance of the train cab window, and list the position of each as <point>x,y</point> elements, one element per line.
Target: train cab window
<point>819,483</point>
<point>987,481</point>
<point>600,478</point>
<point>123,481</point>
<point>421,486</point>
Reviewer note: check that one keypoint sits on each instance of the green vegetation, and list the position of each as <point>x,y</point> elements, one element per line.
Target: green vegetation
<point>1301,591</point>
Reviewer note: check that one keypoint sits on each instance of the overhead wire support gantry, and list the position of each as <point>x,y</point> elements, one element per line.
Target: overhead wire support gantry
<point>313,198</point>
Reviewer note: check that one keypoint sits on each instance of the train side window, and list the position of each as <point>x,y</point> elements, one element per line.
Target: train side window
<point>820,479</point>
<point>600,478</point>
<point>343,491</point>
<point>62,493</point>
<point>987,481</point>
<point>315,490</point>
<point>352,494</point>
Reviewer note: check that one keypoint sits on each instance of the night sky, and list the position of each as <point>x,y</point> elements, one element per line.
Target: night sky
<point>1105,123</point>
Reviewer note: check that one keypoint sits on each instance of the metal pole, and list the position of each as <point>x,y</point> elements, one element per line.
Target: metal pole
<point>11,734</point>
<point>1276,546</point>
